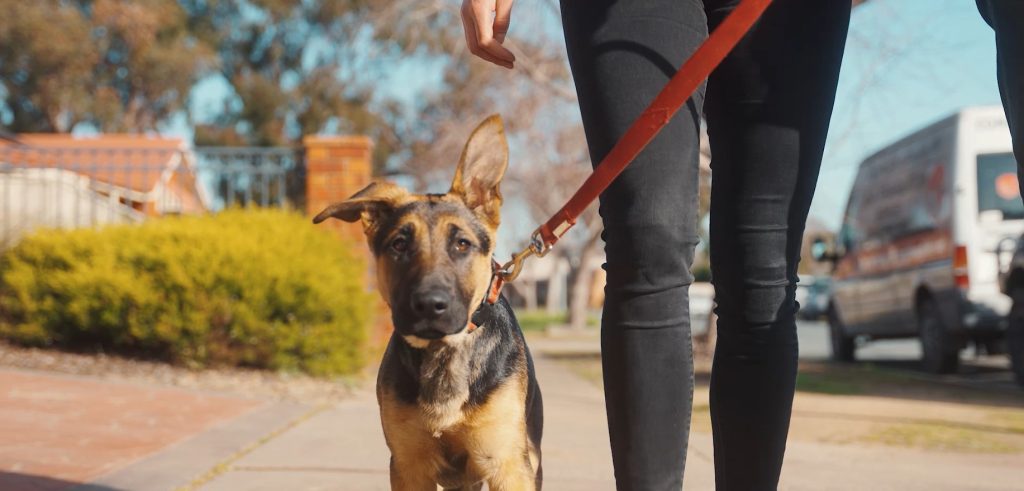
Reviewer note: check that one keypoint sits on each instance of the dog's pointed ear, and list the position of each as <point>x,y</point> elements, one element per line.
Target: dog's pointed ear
<point>481,167</point>
<point>366,205</point>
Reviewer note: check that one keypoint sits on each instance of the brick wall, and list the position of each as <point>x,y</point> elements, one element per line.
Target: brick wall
<point>336,168</point>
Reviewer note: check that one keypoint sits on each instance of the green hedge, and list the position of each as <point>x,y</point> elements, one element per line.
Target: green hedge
<point>254,288</point>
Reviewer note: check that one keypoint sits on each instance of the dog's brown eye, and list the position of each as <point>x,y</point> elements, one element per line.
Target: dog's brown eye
<point>400,244</point>
<point>463,245</point>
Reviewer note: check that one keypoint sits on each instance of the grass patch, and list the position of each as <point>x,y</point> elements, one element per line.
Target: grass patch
<point>827,383</point>
<point>850,379</point>
<point>585,367</point>
<point>1011,419</point>
<point>928,436</point>
<point>989,430</point>
<point>822,379</point>
<point>539,320</point>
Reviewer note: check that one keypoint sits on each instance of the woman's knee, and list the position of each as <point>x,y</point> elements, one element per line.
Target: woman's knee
<point>649,258</point>
<point>648,276</point>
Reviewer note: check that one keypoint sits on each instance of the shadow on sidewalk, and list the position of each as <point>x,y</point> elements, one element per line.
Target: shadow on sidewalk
<point>13,481</point>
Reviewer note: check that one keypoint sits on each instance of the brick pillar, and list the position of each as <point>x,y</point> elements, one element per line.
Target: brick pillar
<point>336,168</point>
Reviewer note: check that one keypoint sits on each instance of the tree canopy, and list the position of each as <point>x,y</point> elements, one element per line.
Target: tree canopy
<point>287,68</point>
<point>118,65</point>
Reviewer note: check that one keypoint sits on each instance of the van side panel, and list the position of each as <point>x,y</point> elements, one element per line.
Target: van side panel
<point>928,270</point>
<point>907,225</point>
<point>913,204</point>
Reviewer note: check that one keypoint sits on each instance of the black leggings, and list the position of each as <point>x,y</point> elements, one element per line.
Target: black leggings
<point>1007,19</point>
<point>768,108</point>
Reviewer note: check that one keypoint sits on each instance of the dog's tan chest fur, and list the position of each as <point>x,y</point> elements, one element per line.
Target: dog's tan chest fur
<point>482,443</point>
<point>444,387</point>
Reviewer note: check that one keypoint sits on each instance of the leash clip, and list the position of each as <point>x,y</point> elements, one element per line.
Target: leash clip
<point>537,247</point>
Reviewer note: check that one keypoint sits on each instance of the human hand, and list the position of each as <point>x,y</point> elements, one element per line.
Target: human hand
<point>485,37</point>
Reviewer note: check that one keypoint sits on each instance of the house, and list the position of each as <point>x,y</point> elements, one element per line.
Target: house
<point>67,181</point>
<point>53,198</point>
<point>153,175</point>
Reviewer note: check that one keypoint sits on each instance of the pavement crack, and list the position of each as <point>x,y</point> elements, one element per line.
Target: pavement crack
<point>225,465</point>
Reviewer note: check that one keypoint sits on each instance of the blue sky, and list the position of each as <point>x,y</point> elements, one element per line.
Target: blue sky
<point>907,63</point>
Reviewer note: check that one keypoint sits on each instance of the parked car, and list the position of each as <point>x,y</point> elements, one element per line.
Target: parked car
<point>812,293</point>
<point>916,255</point>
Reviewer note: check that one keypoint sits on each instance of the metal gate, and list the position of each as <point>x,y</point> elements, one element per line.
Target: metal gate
<point>252,176</point>
<point>56,181</point>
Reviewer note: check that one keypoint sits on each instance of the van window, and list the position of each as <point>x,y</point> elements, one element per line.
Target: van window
<point>997,185</point>
<point>904,194</point>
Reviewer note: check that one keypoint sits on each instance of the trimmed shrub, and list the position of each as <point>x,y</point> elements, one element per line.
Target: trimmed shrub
<point>253,288</point>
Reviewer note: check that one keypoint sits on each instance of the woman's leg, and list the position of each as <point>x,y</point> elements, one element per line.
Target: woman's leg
<point>768,109</point>
<point>1007,19</point>
<point>622,53</point>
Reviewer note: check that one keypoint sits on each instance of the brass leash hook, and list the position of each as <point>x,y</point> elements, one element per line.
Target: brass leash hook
<point>537,247</point>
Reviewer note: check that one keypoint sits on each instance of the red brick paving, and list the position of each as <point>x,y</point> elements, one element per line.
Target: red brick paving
<point>69,430</point>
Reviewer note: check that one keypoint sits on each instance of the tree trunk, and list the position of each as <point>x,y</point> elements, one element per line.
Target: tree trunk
<point>581,284</point>
<point>556,288</point>
<point>529,291</point>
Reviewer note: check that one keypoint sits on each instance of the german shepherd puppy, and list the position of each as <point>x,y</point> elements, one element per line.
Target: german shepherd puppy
<point>460,405</point>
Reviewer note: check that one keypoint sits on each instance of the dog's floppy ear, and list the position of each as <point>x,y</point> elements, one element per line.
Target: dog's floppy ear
<point>481,168</point>
<point>368,204</point>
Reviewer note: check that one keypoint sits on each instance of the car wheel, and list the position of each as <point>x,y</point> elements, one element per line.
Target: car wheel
<point>844,346</point>
<point>1015,335</point>
<point>940,351</point>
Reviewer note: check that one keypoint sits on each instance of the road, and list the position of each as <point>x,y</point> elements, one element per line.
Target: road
<point>814,345</point>
<point>904,354</point>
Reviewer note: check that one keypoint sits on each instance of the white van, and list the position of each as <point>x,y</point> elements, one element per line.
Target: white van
<point>916,254</point>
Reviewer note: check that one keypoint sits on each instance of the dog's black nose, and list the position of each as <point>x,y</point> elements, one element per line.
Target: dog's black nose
<point>431,304</point>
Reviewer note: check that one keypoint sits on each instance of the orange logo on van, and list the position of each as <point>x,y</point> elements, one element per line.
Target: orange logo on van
<point>936,194</point>
<point>1007,186</point>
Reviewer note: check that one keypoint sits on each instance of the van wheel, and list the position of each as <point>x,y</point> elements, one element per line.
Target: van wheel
<point>1015,335</point>
<point>939,349</point>
<point>844,346</point>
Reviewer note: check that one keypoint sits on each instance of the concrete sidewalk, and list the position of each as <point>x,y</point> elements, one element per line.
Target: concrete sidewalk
<point>211,442</point>
<point>342,448</point>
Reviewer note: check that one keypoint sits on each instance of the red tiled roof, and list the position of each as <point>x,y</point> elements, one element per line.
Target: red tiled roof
<point>133,162</point>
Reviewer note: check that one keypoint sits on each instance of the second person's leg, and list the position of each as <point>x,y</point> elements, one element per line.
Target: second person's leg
<point>768,109</point>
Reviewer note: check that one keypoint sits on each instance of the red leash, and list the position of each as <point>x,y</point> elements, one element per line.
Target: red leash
<point>682,85</point>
